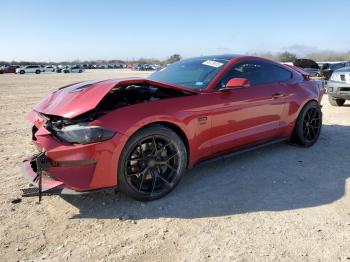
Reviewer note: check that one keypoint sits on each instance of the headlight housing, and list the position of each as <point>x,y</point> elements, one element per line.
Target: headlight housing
<point>83,134</point>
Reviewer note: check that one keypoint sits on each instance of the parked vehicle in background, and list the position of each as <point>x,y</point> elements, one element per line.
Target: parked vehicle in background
<point>329,68</point>
<point>312,72</point>
<point>338,86</point>
<point>9,69</point>
<point>144,67</point>
<point>117,66</point>
<point>30,69</point>
<point>334,66</point>
<point>59,68</point>
<point>49,68</point>
<point>322,69</point>
<point>99,66</point>
<point>73,69</point>
<point>309,66</point>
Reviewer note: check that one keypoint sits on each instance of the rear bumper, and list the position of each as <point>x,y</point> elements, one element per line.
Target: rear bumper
<point>339,90</point>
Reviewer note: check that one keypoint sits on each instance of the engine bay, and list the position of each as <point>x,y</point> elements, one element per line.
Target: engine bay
<point>133,94</point>
<point>118,97</point>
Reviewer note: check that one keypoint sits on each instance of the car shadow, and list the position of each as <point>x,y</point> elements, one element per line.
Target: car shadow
<point>276,178</point>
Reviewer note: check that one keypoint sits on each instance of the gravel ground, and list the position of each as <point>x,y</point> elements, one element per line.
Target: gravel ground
<point>279,203</point>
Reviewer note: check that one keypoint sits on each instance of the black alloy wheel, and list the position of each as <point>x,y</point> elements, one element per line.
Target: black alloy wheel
<point>309,124</point>
<point>153,162</point>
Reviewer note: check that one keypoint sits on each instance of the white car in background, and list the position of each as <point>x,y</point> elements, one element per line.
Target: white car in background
<point>49,68</point>
<point>30,69</point>
<point>73,69</point>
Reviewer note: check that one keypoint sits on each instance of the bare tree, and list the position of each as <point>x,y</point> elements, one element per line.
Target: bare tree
<point>173,58</point>
<point>286,57</point>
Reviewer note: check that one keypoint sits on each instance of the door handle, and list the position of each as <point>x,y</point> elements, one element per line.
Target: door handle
<point>277,95</point>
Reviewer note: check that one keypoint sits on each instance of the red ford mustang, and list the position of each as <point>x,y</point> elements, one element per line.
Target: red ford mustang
<point>140,135</point>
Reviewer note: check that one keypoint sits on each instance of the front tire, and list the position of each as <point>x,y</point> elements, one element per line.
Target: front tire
<point>22,72</point>
<point>308,126</point>
<point>152,163</point>
<point>335,101</point>
<point>37,72</point>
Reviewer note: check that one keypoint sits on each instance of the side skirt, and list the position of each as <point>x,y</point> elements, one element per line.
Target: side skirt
<point>242,151</point>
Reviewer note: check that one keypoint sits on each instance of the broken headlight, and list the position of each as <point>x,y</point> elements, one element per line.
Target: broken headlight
<point>83,134</point>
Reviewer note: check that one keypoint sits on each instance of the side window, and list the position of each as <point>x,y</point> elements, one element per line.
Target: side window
<point>257,72</point>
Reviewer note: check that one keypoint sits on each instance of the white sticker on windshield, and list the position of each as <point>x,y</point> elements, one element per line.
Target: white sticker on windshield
<point>212,63</point>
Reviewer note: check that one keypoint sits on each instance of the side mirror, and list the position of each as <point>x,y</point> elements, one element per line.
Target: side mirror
<point>234,83</point>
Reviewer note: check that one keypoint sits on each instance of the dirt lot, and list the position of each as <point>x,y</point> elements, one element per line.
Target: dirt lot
<point>282,203</point>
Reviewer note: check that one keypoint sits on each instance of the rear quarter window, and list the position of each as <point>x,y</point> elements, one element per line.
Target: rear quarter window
<point>280,74</point>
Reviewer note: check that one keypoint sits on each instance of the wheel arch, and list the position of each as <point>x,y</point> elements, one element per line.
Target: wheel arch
<point>289,131</point>
<point>307,102</point>
<point>177,129</point>
<point>300,109</point>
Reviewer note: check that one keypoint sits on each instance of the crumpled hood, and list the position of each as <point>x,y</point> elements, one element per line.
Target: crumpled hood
<point>76,99</point>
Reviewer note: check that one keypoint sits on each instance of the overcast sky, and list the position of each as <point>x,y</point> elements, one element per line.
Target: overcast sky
<point>67,30</point>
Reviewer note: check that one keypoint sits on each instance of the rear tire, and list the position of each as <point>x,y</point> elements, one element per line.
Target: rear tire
<point>152,163</point>
<point>22,72</point>
<point>37,72</point>
<point>308,126</point>
<point>335,101</point>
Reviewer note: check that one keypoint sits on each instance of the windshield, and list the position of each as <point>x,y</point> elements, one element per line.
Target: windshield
<point>194,73</point>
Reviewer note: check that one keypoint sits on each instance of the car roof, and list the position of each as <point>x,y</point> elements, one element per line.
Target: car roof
<point>215,57</point>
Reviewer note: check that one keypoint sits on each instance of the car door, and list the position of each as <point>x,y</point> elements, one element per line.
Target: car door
<point>32,69</point>
<point>250,115</point>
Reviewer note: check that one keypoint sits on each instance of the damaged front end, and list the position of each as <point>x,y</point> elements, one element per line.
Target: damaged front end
<point>77,131</point>
<point>77,155</point>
